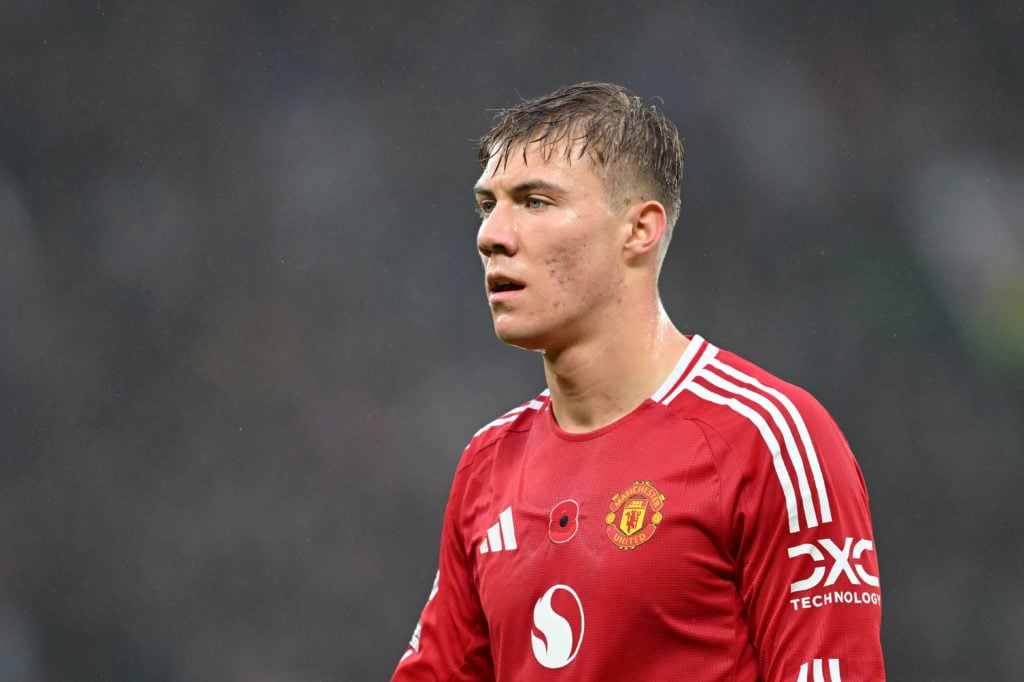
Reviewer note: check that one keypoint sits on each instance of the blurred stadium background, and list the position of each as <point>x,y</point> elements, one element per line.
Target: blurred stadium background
<point>243,338</point>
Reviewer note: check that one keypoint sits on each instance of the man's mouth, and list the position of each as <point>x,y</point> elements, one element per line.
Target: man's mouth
<point>500,288</point>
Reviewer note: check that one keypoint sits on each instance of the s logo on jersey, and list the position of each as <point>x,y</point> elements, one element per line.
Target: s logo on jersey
<point>557,617</point>
<point>634,515</point>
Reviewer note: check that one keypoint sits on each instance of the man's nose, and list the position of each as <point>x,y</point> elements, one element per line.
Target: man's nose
<point>497,233</point>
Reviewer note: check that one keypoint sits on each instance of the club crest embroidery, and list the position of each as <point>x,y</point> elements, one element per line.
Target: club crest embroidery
<point>634,515</point>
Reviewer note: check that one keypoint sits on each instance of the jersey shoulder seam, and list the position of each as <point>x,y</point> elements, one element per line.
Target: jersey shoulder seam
<point>517,419</point>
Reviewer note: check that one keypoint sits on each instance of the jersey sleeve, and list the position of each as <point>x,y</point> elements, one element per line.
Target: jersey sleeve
<point>805,552</point>
<point>451,640</point>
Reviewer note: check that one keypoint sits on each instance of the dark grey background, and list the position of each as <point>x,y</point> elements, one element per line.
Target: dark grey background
<point>243,337</point>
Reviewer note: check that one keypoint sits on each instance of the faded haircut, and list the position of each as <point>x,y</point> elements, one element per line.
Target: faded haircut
<point>634,149</point>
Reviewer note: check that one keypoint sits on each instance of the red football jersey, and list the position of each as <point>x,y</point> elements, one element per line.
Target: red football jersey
<point>720,531</point>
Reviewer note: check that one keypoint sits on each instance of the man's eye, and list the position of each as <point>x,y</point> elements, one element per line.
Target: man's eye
<point>534,202</point>
<point>484,207</point>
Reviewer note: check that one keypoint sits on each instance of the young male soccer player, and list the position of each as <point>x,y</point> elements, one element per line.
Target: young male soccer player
<point>665,510</point>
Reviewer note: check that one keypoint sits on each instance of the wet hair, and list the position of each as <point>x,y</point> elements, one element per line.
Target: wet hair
<point>634,148</point>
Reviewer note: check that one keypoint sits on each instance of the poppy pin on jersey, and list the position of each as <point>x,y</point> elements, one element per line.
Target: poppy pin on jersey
<point>634,515</point>
<point>564,521</point>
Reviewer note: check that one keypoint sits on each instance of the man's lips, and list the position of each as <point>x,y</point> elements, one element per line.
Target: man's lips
<point>501,288</point>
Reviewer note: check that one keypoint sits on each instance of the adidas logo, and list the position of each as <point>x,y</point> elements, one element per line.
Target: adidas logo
<point>500,536</point>
<point>818,672</point>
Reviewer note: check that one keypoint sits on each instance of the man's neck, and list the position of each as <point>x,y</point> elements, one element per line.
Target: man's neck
<point>596,383</point>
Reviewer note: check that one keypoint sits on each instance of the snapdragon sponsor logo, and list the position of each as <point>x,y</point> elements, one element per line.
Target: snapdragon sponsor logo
<point>839,574</point>
<point>557,627</point>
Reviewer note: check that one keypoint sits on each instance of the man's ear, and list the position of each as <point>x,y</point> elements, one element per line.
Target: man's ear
<point>648,221</point>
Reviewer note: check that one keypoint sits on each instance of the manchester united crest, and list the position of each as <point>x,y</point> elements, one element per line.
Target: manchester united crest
<point>634,515</point>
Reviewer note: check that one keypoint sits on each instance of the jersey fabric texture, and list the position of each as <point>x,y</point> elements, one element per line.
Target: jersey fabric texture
<point>720,531</point>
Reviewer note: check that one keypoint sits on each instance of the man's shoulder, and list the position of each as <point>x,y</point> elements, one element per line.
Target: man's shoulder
<point>747,372</point>
<point>764,428</point>
<point>516,420</point>
<point>724,385</point>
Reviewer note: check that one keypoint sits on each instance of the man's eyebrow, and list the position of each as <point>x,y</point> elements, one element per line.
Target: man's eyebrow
<point>522,188</point>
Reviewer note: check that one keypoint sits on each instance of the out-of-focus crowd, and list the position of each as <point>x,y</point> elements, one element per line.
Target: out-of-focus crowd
<point>243,337</point>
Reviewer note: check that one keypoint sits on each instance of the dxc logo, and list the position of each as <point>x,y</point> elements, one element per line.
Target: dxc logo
<point>841,557</point>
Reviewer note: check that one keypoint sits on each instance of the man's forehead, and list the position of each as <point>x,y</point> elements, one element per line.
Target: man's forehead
<point>535,155</point>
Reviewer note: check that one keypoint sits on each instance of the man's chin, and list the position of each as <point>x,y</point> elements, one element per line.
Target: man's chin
<point>517,337</point>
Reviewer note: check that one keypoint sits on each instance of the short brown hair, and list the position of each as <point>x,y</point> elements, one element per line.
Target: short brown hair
<point>635,147</point>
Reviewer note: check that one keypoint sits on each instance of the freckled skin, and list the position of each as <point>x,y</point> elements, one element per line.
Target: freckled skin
<point>566,253</point>
<point>576,279</point>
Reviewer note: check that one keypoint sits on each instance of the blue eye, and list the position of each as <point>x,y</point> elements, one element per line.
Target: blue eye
<point>534,202</point>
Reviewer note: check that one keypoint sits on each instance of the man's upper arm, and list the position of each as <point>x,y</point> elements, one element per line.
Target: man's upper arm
<point>810,583</point>
<point>450,641</point>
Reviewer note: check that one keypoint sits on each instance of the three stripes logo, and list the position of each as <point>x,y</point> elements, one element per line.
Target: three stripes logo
<point>775,417</point>
<point>501,536</point>
<point>815,671</point>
